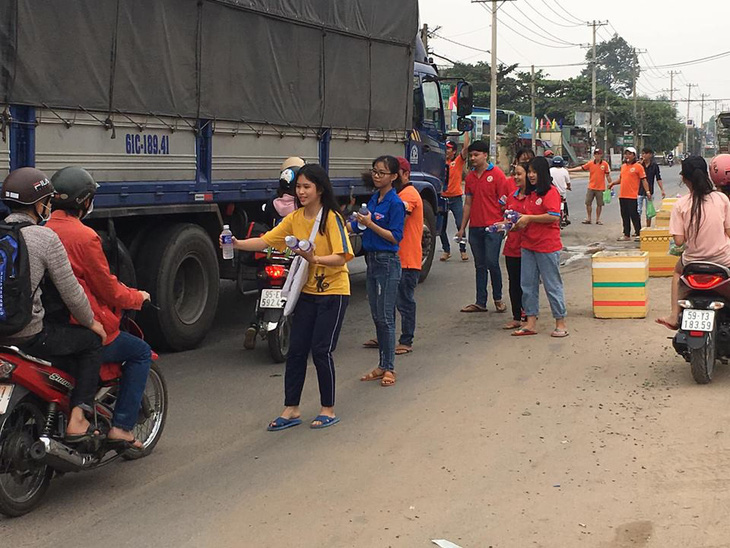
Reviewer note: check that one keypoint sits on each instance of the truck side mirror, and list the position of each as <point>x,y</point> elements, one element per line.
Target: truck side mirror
<point>464,99</point>
<point>465,125</point>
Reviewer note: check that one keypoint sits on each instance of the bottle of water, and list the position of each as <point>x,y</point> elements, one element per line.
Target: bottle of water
<point>512,216</point>
<point>613,193</point>
<point>291,241</point>
<point>227,242</point>
<point>363,211</point>
<point>305,245</point>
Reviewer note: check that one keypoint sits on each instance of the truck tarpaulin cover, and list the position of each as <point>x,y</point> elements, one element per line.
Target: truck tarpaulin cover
<point>316,63</point>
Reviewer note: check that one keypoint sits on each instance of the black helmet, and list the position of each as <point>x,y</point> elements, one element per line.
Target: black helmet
<point>74,185</point>
<point>558,161</point>
<point>26,185</point>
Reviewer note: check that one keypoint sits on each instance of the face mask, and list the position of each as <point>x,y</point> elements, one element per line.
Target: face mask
<point>88,211</point>
<point>45,214</point>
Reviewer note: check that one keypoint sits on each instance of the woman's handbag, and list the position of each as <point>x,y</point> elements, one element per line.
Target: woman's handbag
<point>298,273</point>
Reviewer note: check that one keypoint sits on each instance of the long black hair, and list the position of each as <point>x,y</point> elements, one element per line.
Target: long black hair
<point>694,170</point>
<point>544,180</point>
<point>317,174</point>
<point>392,164</point>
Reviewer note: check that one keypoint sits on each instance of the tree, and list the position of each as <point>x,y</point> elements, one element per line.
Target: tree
<point>662,131</point>
<point>511,135</point>
<point>616,65</point>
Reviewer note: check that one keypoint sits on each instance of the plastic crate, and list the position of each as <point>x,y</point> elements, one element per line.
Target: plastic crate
<point>619,284</point>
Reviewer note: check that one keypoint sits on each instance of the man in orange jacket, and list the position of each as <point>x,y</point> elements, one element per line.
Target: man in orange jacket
<point>75,190</point>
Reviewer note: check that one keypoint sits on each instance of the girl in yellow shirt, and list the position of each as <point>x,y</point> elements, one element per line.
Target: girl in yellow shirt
<point>320,310</point>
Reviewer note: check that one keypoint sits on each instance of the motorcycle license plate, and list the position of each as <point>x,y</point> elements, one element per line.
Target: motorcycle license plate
<point>6,390</point>
<point>271,298</point>
<point>698,320</point>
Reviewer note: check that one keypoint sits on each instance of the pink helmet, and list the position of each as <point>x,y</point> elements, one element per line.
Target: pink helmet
<point>720,170</point>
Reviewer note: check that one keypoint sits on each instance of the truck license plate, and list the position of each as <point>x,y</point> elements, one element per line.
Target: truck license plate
<point>698,320</point>
<point>6,390</point>
<point>271,298</point>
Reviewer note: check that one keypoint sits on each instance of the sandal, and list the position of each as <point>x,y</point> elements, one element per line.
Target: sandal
<point>474,308</point>
<point>599,222</point>
<point>559,333</point>
<point>388,378</point>
<point>514,324</point>
<point>587,221</point>
<point>375,375</point>
<point>403,349</point>
<point>523,331</point>
<point>91,432</point>
<point>500,306</point>
<point>372,343</point>
<point>445,256</point>
<point>668,325</point>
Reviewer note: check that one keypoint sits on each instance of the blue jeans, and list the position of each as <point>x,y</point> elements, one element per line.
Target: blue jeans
<point>546,267</point>
<point>406,304</point>
<point>485,246</point>
<point>383,278</point>
<point>136,356</point>
<point>456,206</point>
<point>641,203</point>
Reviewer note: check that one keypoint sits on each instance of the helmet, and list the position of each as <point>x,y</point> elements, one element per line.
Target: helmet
<point>720,170</point>
<point>26,185</point>
<point>74,185</point>
<point>549,154</point>
<point>289,170</point>
<point>558,161</point>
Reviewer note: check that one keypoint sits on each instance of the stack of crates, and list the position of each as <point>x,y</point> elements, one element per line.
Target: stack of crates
<point>655,242</point>
<point>665,212</point>
<point>619,284</point>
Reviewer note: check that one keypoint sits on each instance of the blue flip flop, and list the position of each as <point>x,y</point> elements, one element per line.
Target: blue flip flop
<point>280,423</point>
<point>324,420</point>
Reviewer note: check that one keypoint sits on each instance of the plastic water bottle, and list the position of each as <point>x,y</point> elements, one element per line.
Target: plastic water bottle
<point>512,216</point>
<point>305,245</point>
<point>363,211</point>
<point>613,193</point>
<point>292,242</point>
<point>227,242</point>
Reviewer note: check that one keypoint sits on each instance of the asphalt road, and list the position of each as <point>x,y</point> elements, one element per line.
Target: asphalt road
<point>600,439</point>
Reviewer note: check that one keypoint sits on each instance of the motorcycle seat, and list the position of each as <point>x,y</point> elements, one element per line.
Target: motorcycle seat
<point>18,352</point>
<point>706,267</point>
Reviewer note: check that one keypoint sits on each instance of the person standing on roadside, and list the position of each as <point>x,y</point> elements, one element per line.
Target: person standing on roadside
<point>652,174</point>
<point>522,156</point>
<point>453,194</point>
<point>599,172</point>
<point>513,246</point>
<point>631,178</point>
<point>486,184</point>
<point>541,246</point>
<point>411,257</point>
<point>383,232</point>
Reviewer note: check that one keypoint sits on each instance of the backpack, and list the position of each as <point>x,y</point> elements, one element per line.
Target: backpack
<point>16,297</point>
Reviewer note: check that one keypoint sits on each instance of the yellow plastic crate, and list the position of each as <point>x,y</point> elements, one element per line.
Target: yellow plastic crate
<point>655,239</point>
<point>662,218</point>
<point>668,204</point>
<point>661,265</point>
<point>619,284</point>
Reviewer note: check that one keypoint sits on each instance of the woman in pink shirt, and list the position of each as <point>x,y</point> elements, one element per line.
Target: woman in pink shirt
<point>701,222</point>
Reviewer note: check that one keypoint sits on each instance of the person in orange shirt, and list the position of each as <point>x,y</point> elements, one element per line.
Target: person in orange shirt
<point>632,175</point>
<point>453,194</point>
<point>411,258</point>
<point>599,172</point>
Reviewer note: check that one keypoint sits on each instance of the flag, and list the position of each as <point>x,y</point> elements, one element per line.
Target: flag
<point>554,125</point>
<point>561,123</point>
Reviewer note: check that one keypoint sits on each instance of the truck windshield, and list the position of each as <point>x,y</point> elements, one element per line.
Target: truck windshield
<point>432,103</point>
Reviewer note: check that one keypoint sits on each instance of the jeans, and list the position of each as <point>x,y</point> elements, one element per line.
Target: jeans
<point>629,215</point>
<point>74,349</point>
<point>456,206</point>
<point>641,203</point>
<point>514,267</point>
<point>485,246</point>
<point>383,279</point>
<point>406,304</point>
<point>136,356</point>
<point>546,267</point>
<point>316,326</point>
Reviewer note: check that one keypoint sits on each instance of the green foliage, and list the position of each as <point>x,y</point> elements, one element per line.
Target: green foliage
<point>659,123</point>
<point>511,134</point>
<point>616,63</point>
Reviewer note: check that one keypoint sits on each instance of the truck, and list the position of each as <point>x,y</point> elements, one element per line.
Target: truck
<point>183,111</point>
<point>722,133</point>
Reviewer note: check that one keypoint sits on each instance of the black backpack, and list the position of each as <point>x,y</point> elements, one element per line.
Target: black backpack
<point>16,297</point>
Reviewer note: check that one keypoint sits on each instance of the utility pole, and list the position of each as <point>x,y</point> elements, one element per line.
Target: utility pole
<point>605,124</point>
<point>702,122</point>
<point>686,123</point>
<point>594,24</point>
<point>671,86</point>
<point>424,37</point>
<point>532,106</point>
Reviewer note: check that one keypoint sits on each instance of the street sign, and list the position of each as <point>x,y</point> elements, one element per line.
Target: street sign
<point>628,140</point>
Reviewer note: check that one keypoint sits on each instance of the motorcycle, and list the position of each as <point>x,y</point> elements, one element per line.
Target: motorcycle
<point>269,323</point>
<point>704,324</point>
<point>34,406</point>
<point>670,161</point>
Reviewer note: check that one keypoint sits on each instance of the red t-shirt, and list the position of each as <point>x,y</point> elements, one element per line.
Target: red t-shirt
<point>514,237</point>
<point>541,237</point>
<point>486,192</point>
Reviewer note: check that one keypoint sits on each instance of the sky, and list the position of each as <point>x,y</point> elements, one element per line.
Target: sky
<point>669,35</point>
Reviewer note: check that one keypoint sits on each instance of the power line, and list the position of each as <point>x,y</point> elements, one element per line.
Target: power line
<point>438,36</point>
<point>551,35</point>
<point>521,35</point>
<point>695,61</point>
<point>572,25</point>
<point>566,11</point>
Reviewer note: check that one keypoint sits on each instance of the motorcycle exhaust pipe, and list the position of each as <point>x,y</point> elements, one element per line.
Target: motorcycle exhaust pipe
<point>59,456</point>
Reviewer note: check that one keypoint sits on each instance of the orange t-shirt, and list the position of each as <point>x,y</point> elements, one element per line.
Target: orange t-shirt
<point>631,176</point>
<point>597,174</point>
<point>456,172</point>
<point>410,251</point>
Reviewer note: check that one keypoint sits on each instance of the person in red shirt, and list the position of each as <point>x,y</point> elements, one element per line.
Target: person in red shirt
<point>631,177</point>
<point>513,246</point>
<point>485,185</point>
<point>75,190</point>
<point>452,194</point>
<point>541,246</point>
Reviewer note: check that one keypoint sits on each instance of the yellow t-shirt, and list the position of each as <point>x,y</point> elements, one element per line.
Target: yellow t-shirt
<point>322,280</point>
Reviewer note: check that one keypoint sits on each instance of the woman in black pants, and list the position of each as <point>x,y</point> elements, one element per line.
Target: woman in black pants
<point>632,176</point>
<point>512,248</point>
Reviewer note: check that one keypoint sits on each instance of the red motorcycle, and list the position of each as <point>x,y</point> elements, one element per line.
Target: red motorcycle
<point>34,406</point>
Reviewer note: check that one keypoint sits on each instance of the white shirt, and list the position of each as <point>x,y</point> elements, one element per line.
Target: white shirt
<point>561,178</point>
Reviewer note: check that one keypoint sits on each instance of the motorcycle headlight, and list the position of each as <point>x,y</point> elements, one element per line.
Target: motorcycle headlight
<point>6,368</point>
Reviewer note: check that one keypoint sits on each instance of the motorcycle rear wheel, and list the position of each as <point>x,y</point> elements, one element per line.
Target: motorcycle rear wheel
<point>702,361</point>
<point>149,430</point>
<point>23,482</point>
<point>279,339</point>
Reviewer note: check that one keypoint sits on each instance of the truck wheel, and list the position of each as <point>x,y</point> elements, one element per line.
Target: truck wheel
<point>702,361</point>
<point>178,266</point>
<point>428,240</point>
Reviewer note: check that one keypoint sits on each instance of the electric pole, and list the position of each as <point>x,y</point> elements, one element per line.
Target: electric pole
<point>702,122</point>
<point>424,37</point>
<point>686,123</point>
<point>594,24</point>
<point>532,105</point>
<point>671,86</point>
<point>605,125</point>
